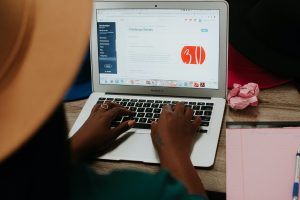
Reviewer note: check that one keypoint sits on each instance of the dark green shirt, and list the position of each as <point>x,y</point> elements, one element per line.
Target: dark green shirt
<point>127,184</point>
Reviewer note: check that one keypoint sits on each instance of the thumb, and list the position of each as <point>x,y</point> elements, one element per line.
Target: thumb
<point>123,127</point>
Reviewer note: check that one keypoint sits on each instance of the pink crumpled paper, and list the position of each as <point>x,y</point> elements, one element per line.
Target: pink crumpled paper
<point>242,96</point>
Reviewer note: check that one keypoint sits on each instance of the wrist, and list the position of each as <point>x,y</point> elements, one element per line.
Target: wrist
<point>174,159</point>
<point>77,152</point>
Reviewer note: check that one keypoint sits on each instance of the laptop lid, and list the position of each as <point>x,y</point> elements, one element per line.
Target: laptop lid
<point>160,48</point>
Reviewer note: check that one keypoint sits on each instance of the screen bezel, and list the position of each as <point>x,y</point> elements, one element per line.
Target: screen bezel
<point>222,6</point>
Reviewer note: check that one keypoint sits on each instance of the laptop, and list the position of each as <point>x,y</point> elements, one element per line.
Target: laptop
<point>146,54</point>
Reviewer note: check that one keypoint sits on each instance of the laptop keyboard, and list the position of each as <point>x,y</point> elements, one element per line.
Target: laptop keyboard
<point>147,111</point>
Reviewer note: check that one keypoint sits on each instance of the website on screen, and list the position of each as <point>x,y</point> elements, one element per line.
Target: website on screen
<point>159,47</point>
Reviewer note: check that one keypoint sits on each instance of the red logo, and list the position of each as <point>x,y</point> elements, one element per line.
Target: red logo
<point>193,55</point>
<point>196,84</point>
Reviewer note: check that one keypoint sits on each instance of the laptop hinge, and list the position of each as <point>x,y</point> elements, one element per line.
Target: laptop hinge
<point>153,95</point>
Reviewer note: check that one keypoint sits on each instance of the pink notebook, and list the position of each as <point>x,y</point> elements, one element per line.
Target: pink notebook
<point>260,163</point>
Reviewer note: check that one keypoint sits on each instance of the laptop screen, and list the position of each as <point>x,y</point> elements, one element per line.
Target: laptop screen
<point>158,47</point>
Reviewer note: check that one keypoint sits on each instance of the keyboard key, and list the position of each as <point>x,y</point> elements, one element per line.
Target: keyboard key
<point>100,102</point>
<point>123,103</point>
<point>157,110</point>
<point>149,110</point>
<point>202,131</point>
<point>126,118</point>
<point>158,101</point>
<point>140,109</point>
<point>138,104</point>
<point>201,103</point>
<point>192,103</point>
<point>167,102</point>
<point>188,106</point>
<point>174,102</point>
<point>147,105</point>
<point>110,99</point>
<point>142,125</point>
<point>196,107</point>
<point>118,99</point>
<point>133,109</point>
<point>140,115</point>
<point>150,101</point>
<point>206,108</point>
<point>143,120</point>
<point>133,100</point>
<point>149,115</point>
<point>135,118</point>
<point>204,123</point>
<point>142,100</point>
<point>199,113</point>
<point>209,104</point>
<point>101,98</point>
<point>130,104</point>
<point>205,118</point>
<point>207,113</point>
<point>156,115</point>
<point>149,121</point>
<point>155,105</point>
<point>125,99</point>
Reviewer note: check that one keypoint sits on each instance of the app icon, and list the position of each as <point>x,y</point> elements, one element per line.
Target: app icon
<point>193,55</point>
<point>196,84</point>
<point>202,84</point>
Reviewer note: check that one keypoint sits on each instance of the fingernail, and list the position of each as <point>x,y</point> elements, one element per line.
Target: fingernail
<point>131,123</point>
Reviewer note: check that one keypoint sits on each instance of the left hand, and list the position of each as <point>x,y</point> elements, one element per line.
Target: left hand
<point>96,133</point>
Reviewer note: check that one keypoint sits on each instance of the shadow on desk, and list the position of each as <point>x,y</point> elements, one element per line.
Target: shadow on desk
<point>216,195</point>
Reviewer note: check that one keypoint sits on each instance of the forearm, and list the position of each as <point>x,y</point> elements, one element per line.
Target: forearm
<point>183,169</point>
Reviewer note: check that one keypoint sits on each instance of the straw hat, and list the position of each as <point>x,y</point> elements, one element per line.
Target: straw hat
<point>42,43</point>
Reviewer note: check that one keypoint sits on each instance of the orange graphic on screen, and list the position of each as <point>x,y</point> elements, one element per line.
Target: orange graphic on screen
<point>193,55</point>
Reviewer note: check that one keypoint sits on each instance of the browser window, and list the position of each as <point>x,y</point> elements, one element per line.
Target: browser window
<point>158,47</point>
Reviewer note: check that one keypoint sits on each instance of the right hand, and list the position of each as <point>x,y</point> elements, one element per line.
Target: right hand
<point>174,133</point>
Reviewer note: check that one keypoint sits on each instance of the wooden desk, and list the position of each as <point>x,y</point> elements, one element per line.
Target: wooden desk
<point>280,104</point>
<point>277,104</point>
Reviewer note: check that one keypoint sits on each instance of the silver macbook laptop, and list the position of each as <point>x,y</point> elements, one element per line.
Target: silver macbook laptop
<point>147,54</point>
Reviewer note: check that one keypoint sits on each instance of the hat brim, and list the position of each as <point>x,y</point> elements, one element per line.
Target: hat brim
<point>244,40</point>
<point>58,41</point>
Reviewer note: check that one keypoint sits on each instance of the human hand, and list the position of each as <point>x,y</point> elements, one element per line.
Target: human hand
<point>173,137</point>
<point>96,134</point>
<point>174,134</point>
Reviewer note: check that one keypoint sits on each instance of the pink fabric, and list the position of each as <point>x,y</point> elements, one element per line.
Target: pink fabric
<point>242,70</point>
<point>242,96</point>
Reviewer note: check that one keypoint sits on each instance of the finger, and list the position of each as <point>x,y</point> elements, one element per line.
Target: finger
<point>113,104</point>
<point>168,108</point>
<point>104,107</point>
<point>189,113</point>
<point>123,127</point>
<point>117,111</point>
<point>196,123</point>
<point>179,108</point>
<point>108,105</point>
<point>165,110</point>
<point>95,108</point>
